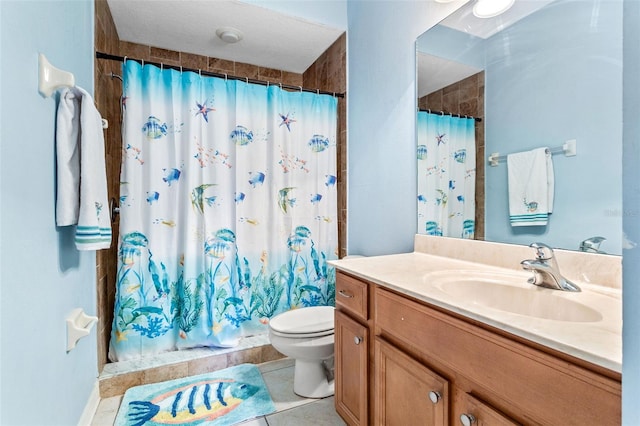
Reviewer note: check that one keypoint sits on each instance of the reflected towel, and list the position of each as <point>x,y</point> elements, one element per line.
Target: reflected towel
<point>531,187</point>
<point>81,174</point>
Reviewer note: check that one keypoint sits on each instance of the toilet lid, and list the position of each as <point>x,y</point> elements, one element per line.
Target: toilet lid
<point>315,319</point>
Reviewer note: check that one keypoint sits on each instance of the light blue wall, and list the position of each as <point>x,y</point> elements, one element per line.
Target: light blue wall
<point>42,276</point>
<point>381,111</point>
<point>631,216</point>
<point>564,63</point>
<point>380,74</point>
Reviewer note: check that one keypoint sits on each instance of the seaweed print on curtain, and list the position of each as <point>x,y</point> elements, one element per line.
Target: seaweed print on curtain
<point>228,209</point>
<point>446,175</point>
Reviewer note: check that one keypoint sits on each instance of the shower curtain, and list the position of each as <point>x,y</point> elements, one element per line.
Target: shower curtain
<point>446,156</point>
<point>228,209</point>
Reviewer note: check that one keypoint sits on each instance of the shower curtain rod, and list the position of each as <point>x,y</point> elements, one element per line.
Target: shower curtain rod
<point>451,114</point>
<point>101,55</point>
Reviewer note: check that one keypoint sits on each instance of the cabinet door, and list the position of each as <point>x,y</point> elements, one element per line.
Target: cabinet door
<point>476,413</point>
<point>407,392</point>
<point>352,369</point>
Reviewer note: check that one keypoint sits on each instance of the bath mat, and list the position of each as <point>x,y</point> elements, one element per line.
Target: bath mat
<point>223,397</point>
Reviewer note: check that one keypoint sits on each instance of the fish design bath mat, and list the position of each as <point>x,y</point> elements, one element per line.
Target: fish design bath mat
<point>223,397</point>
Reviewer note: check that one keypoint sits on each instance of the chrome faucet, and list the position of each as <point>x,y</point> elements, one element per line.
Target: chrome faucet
<point>546,272</point>
<point>592,245</point>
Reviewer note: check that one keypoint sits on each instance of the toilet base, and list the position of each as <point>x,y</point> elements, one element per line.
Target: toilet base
<point>310,379</point>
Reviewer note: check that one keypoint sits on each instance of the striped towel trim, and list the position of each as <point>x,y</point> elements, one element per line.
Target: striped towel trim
<point>529,219</point>
<point>92,235</point>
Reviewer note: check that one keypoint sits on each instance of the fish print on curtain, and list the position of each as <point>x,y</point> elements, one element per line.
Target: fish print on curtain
<point>446,156</point>
<point>228,209</point>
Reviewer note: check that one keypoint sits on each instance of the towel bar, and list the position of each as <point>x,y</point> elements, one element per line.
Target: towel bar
<point>569,149</point>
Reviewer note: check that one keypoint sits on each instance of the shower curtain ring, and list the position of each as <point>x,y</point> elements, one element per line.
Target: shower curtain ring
<point>225,76</point>
<point>317,91</point>
<point>199,71</point>
<point>161,66</point>
<point>300,89</point>
<point>247,78</point>
<point>125,60</point>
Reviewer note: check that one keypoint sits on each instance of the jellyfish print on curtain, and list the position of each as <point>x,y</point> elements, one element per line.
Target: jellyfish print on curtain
<point>446,156</point>
<point>228,209</point>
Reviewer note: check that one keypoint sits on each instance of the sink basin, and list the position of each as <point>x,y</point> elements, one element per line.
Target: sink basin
<point>511,293</point>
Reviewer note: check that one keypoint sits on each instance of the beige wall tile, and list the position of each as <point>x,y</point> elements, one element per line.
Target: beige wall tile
<point>119,384</point>
<point>208,364</point>
<point>166,372</point>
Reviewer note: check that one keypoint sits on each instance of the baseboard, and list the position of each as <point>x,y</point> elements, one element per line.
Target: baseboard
<point>91,407</point>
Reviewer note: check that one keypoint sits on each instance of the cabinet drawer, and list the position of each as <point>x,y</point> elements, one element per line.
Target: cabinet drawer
<point>537,386</point>
<point>352,296</point>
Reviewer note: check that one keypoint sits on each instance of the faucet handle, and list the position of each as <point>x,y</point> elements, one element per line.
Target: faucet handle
<point>540,250</point>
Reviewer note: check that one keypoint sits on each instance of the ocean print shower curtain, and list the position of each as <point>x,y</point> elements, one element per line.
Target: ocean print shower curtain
<point>446,156</point>
<point>228,209</point>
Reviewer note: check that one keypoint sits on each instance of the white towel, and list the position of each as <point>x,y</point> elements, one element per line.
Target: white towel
<point>81,173</point>
<point>531,187</point>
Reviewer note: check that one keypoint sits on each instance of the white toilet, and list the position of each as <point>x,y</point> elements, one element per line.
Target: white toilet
<point>306,335</point>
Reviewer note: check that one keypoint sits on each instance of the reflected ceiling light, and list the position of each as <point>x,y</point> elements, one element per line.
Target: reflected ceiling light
<point>491,8</point>
<point>229,35</point>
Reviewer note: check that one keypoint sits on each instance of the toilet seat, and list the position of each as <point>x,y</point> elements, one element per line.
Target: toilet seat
<point>316,321</point>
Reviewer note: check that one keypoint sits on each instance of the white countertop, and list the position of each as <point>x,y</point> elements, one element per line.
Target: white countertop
<point>598,342</point>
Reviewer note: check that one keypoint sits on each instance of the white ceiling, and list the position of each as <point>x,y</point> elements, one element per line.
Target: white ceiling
<point>270,39</point>
<point>434,73</point>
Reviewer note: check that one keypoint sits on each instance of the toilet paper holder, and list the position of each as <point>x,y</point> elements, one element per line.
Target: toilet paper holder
<point>78,326</point>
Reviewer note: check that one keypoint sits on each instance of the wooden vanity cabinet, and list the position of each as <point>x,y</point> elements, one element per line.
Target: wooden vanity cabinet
<point>352,349</point>
<point>493,370</point>
<point>433,367</point>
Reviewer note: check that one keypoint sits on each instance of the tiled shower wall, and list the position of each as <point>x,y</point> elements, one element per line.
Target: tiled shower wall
<point>328,73</point>
<point>465,97</point>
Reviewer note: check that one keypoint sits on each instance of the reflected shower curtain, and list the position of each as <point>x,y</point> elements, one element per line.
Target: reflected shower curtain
<point>446,175</point>
<point>227,209</point>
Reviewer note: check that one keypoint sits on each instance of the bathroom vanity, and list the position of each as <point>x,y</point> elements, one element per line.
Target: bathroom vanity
<point>416,343</point>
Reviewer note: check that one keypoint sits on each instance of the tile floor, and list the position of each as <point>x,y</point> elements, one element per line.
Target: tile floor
<point>291,409</point>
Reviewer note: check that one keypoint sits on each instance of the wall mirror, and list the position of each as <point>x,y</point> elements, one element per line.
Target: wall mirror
<point>539,75</point>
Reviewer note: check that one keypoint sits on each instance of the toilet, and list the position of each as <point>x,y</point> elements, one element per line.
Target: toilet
<point>306,335</point>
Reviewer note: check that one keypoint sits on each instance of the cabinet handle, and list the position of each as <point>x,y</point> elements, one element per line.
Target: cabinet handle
<point>467,419</point>
<point>434,396</point>
<point>357,340</point>
<point>345,294</point>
